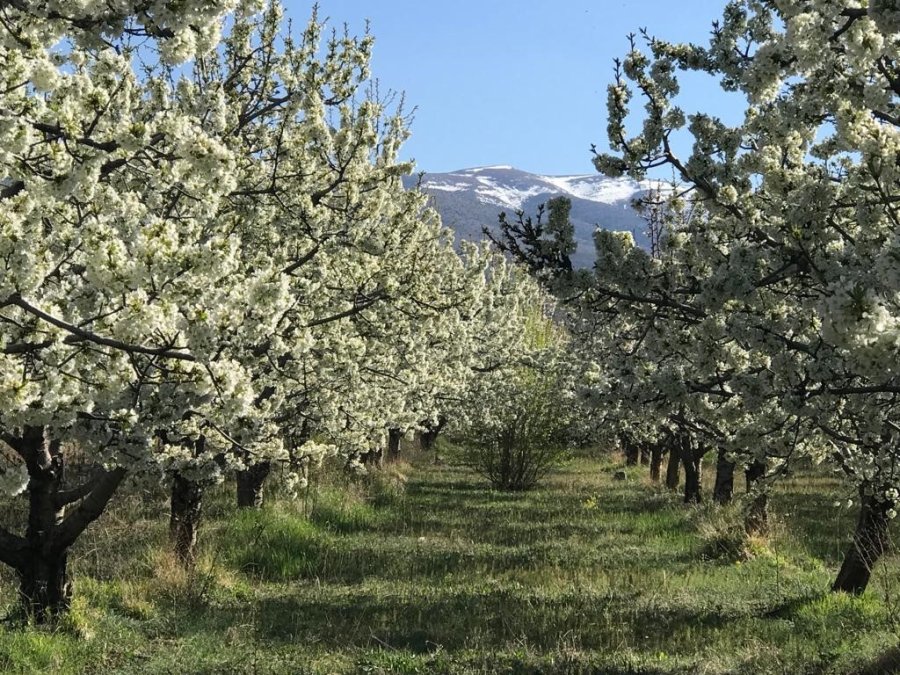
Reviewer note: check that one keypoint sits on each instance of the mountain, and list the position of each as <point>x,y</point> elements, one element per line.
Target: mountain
<point>469,199</point>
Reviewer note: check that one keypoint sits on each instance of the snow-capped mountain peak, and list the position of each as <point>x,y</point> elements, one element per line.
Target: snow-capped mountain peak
<point>470,199</point>
<point>510,188</point>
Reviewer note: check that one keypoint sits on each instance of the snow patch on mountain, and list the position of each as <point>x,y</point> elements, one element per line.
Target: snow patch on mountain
<point>505,196</point>
<point>502,185</point>
<point>478,169</point>
<point>449,187</point>
<point>605,191</point>
<point>471,199</point>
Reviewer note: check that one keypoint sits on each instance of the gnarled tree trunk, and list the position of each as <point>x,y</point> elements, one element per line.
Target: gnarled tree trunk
<point>691,456</point>
<point>184,519</point>
<point>870,541</point>
<point>723,490</point>
<point>43,581</point>
<point>630,449</point>
<point>250,484</point>
<point>428,437</point>
<point>44,586</point>
<point>756,519</point>
<point>673,467</point>
<point>40,557</point>
<point>393,446</point>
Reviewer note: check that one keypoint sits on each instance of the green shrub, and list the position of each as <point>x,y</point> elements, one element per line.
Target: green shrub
<point>525,440</point>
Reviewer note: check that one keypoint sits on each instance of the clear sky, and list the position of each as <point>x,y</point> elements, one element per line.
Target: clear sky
<point>520,82</point>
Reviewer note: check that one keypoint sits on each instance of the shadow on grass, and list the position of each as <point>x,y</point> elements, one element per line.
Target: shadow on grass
<point>434,533</point>
<point>353,561</point>
<point>887,662</point>
<point>423,621</point>
<point>790,606</point>
<point>824,538</point>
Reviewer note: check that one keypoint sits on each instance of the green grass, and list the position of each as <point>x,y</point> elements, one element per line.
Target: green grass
<point>585,574</point>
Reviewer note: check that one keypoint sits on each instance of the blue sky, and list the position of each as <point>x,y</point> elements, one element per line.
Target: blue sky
<point>520,82</point>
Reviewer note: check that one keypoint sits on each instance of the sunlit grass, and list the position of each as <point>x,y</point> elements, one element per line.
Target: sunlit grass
<point>584,574</point>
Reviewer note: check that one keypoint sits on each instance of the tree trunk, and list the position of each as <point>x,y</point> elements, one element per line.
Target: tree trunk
<point>184,521</point>
<point>369,458</point>
<point>673,467</point>
<point>656,456</point>
<point>250,483</point>
<point>40,557</point>
<point>692,491</point>
<point>44,587</point>
<point>631,450</point>
<point>691,457</point>
<point>645,451</point>
<point>723,489</point>
<point>393,447</point>
<point>428,437</point>
<point>756,520</point>
<point>43,582</point>
<point>869,543</point>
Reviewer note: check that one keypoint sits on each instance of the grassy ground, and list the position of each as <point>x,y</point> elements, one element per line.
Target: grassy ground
<point>586,574</point>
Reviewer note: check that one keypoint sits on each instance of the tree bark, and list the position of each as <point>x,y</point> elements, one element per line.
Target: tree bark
<point>428,437</point>
<point>373,457</point>
<point>184,521</point>
<point>723,490</point>
<point>43,580</point>
<point>756,520</point>
<point>644,454</point>
<point>673,467</point>
<point>631,450</point>
<point>656,457</point>
<point>870,541</point>
<point>250,484</point>
<point>691,456</point>
<point>393,446</point>
<point>44,586</point>
<point>40,557</point>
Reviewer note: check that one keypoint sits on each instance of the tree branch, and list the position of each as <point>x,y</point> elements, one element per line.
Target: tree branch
<point>12,549</point>
<point>164,352</point>
<point>65,497</point>
<point>90,509</point>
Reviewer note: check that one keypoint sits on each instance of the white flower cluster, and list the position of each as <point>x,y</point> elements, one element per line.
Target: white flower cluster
<point>212,266</point>
<point>769,321</point>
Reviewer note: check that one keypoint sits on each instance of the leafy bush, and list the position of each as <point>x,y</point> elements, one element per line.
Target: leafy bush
<point>526,440</point>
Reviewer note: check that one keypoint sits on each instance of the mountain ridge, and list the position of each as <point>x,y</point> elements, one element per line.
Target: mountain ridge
<point>472,198</point>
